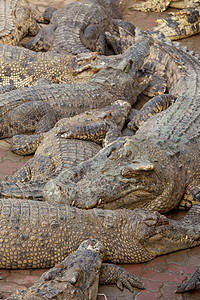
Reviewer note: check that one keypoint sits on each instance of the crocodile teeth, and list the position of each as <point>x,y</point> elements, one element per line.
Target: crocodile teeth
<point>192,52</point>
<point>177,45</point>
<point>100,200</point>
<point>185,49</point>
<point>73,202</point>
<point>168,42</point>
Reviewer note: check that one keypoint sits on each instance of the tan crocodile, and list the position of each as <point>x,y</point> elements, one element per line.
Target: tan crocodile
<point>179,24</point>
<point>161,5</point>
<point>77,27</point>
<point>17,19</point>
<point>77,277</point>
<point>22,67</point>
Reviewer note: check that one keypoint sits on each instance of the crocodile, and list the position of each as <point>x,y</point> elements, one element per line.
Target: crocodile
<point>77,27</point>
<point>22,67</point>
<point>161,5</point>
<point>78,275</point>
<point>17,19</point>
<point>45,104</point>
<point>157,167</point>
<point>86,133</point>
<point>36,234</point>
<point>178,25</point>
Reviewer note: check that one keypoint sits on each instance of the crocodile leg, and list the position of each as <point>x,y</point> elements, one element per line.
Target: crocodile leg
<point>93,38</point>
<point>26,144</point>
<point>45,166</point>
<point>22,175</point>
<point>110,274</point>
<point>48,13</point>
<point>153,106</point>
<point>95,132</point>
<point>43,40</point>
<point>36,115</point>
<point>44,17</point>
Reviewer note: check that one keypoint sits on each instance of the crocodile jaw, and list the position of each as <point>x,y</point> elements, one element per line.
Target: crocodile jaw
<point>129,173</point>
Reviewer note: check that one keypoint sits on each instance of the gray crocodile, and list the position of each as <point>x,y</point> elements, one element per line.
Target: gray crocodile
<point>158,166</point>
<point>117,79</point>
<point>77,27</point>
<point>37,234</point>
<point>86,134</point>
<point>17,19</point>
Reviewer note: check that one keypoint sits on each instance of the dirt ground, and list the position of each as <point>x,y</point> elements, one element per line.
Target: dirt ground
<point>161,275</point>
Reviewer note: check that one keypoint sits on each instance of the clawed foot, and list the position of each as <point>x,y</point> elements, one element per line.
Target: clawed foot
<point>130,281</point>
<point>112,274</point>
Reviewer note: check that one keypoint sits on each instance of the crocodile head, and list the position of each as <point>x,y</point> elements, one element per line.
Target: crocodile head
<point>152,234</point>
<point>129,173</point>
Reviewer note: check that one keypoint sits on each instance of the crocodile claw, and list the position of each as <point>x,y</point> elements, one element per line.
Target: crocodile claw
<point>129,281</point>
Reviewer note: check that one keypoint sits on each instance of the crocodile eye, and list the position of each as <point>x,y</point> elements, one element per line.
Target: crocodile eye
<point>137,167</point>
<point>127,173</point>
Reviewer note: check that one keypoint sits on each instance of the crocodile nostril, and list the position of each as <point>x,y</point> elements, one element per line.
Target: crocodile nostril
<point>77,176</point>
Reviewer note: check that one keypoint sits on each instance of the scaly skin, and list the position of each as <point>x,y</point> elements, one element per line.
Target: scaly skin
<point>77,28</point>
<point>159,165</point>
<point>46,104</point>
<point>36,234</point>
<point>86,133</point>
<point>77,276</point>
<point>178,25</point>
<point>161,5</point>
<point>21,67</point>
<point>17,19</point>
<point>153,106</point>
